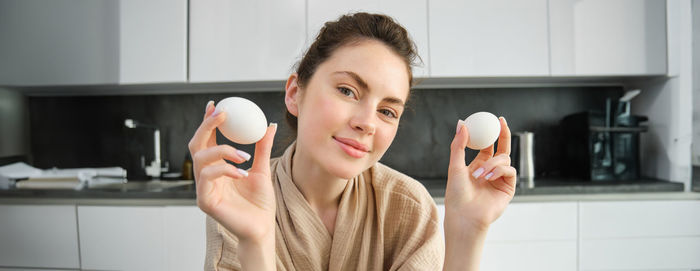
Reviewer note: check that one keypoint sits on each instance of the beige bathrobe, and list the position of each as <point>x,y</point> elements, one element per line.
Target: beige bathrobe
<point>386,221</point>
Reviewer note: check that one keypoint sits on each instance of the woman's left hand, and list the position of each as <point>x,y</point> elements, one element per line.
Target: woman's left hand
<point>478,193</point>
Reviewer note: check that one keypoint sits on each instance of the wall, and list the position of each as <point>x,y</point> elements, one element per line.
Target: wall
<point>696,94</point>
<point>13,119</point>
<point>89,130</point>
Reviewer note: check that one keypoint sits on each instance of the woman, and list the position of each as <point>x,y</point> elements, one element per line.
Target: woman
<point>326,203</point>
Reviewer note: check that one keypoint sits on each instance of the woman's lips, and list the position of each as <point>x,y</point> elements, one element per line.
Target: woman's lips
<point>350,150</point>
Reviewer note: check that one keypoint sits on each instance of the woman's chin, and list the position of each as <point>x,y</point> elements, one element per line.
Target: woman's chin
<point>346,172</point>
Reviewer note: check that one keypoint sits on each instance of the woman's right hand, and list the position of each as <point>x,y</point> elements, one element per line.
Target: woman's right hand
<point>242,203</point>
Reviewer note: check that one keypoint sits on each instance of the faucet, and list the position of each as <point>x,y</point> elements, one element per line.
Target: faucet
<point>155,168</point>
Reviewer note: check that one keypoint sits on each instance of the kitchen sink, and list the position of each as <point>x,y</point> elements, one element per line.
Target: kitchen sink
<point>154,185</point>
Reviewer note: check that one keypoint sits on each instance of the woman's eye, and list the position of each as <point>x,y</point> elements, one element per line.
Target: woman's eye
<point>346,91</point>
<point>388,113</point>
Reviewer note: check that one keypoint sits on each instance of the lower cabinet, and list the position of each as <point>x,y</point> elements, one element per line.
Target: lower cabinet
<point>38,236</point>
<point>185,238</point>
<point>141,238</point>
<point>575,235</point>
<point>531,236</point>
<point>529,255</point>
<point>658,235</point>
<point>122,238</point>
<point>70,237</point>
<point>639,235</point>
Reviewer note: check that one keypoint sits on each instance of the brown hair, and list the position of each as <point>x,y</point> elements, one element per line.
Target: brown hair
<point>351,28</point>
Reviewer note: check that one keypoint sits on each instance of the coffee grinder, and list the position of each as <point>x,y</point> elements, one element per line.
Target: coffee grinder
<point>603,146</point>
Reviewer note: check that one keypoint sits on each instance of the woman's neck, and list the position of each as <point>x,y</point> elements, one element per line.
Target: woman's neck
<point>321,189</point>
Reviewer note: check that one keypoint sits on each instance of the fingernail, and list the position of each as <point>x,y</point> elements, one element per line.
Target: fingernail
<point>460,125</point>
<point>504,120</point>
<point>488,176</point>
<point>243,154</point>
<point>273,124</point>
<point>208,104</point>
<point>243,172</point>
<point>478,172</point>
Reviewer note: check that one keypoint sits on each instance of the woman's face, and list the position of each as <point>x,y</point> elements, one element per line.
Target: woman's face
<point>349,111</point>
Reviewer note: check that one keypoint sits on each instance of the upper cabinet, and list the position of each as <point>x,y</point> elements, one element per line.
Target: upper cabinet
<point>411,14</point>
<point>59,42</point>
<point>88,42</point>
<point>245,40</point>
<point>153,41</point>
<point>97,42</point>
<point>598,37</point>
<point>488,38</point>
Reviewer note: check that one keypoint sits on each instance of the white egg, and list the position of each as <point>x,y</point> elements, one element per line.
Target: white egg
<point>483,128</point>
<point>245,122</point>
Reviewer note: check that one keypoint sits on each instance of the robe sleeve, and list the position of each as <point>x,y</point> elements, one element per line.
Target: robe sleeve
<point>423,245</point>
<point>221,246</point>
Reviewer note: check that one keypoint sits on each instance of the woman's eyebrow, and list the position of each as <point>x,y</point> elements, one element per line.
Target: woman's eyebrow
<point>365,86</point>
<point>355,77</point>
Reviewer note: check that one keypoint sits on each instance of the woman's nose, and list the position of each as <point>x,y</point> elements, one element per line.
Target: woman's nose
<point>364,120</point>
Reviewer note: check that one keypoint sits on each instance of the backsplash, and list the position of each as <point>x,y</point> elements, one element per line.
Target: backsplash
<point>89,131</point>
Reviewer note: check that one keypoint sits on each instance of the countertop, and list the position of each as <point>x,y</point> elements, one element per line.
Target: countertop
<point>184,194</point>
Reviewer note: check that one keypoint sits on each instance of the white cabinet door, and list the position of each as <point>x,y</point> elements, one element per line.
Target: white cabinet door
<point>598,37</point>
<point>88,42</point>
<point>531,236</point>
<point>39,236</point>
<point>529,256</point>
<point>245,40</point>
<point>185,238</point>
<point>630,219</point>
<point>59,42</point>
<point>639,235</point>
<point>650,253</point>
<point>488,38</point>
<point>122,238</point>
<point>533,221</point>
<point>153,41</point>
<point>411,14</point>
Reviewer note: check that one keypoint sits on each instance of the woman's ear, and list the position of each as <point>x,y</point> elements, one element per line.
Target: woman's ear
<point>291,95</point>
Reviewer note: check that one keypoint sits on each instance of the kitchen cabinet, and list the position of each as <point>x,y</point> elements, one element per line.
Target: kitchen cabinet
<point>121,238</point>
<point>599,38</point>
<point>185,238</point>
<point>39,236</point>
<point>411,14</point>
<point>86,42</point>
<point>488,38</point>
<point>639,235</point>
<point>142,237</point>
<point>594,235</point>
<point>153,41</point>
<point>245,40</point>
<point>531,236</point>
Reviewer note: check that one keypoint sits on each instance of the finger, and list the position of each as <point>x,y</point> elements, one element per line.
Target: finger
<point>215,171</point>
<point>459,142</point>
<point>219,152</point>
<point>484,154</point>
<point>500,171</point>
<point>206,132</point>
<point>504,138</point>
<point>209,109</point>
<point>487,167</point>
<point>263,148</point>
